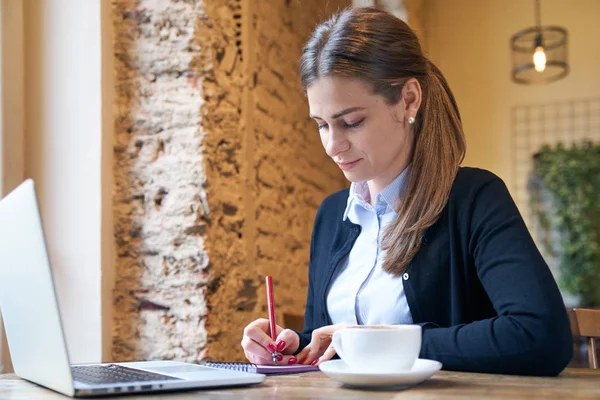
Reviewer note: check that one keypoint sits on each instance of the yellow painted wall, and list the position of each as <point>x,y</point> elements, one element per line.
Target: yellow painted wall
<point>11,117</point>
<point>469,41</point>
<point>68,152</point>
<point>56,124</point>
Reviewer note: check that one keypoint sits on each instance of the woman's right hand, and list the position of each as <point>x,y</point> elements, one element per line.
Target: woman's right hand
<point>258,345</point>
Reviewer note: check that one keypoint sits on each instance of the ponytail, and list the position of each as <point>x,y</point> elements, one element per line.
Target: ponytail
<point>438,149</point>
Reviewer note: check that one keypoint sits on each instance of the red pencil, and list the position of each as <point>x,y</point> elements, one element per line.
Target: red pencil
<point>271,305</point>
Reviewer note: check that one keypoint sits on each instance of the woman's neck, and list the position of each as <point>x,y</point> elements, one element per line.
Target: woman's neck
<point>376,185</point>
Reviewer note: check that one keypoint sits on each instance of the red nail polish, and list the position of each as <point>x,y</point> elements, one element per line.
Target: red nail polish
<point>314,362</point>
<point>292,360</point>
<point>302,361</point>
<point>271,348</point>
<point>281,345</point>
<point>279,357</point>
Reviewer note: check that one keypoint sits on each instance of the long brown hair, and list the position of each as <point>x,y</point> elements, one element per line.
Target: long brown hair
<point>380,49</point>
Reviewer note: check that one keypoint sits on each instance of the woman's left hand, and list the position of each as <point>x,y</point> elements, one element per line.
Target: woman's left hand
<point>320,347</point>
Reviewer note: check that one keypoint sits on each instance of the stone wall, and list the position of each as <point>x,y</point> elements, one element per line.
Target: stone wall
<point>160,198</point>
<point>218,171</point>
<point>287,175</point>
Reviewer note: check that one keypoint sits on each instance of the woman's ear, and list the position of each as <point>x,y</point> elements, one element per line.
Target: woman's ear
<point>411,99</point>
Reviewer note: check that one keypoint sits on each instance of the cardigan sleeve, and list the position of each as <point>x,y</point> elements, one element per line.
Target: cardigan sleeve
<point>530,334</point>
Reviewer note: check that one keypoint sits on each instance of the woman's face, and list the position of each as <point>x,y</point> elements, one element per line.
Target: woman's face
<point>367,138</point>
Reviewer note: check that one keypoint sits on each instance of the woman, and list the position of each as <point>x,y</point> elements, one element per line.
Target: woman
<point>416,239</point>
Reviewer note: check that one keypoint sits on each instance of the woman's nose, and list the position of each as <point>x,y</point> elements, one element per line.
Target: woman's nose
<point>336,143</point>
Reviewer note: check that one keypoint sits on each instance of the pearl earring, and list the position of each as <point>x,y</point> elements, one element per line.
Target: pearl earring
<point>411,120</point>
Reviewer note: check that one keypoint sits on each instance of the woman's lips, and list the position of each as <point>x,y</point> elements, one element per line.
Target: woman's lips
<point>346,166</point>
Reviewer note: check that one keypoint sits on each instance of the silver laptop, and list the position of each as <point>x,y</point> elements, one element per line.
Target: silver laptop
<point>34,330</point>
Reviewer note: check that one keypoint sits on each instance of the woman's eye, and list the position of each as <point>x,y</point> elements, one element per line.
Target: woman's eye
<point>322,126</point>
<point>354,125</point>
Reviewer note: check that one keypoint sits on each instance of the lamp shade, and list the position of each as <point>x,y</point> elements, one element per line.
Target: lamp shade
<point>548,41</point>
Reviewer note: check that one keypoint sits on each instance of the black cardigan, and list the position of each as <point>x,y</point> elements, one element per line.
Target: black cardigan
<point>479,287</point>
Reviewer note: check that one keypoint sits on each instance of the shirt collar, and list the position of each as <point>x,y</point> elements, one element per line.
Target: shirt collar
<point>359,193</point>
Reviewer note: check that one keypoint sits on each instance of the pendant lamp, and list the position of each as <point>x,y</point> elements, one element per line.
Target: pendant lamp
<point>539,53</point>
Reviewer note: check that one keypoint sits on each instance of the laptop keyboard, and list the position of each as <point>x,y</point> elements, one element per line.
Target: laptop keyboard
<point>106,374</point>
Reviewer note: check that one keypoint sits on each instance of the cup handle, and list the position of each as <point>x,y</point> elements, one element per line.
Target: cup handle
<point>337,343</point>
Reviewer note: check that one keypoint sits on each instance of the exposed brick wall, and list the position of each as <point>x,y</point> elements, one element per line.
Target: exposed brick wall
<point>160,201</point>
<point>227,185</point>
<point>287,175</point>
<point>218,172</point>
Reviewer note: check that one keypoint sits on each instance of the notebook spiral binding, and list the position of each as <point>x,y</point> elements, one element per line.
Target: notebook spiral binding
<point>236,366</point>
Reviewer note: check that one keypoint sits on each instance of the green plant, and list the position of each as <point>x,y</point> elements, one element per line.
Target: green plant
<point>566,200</point>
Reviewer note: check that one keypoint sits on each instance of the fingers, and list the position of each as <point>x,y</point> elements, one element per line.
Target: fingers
<point>303,355</point>
<point>257,332</point>
<point>320,341</point>
<point>281,359</point>
<point>315,348</point>
<point>327,355</point>
<point>288,360</point>
<point>258,360</point>
<point>287,342</point>
<point>259,347</point>
<point>252,347</point>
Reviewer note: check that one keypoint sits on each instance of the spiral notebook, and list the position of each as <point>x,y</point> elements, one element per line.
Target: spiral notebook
<point>262,369</point>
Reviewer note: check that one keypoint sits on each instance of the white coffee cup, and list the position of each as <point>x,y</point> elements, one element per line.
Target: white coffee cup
<point>379,348</point>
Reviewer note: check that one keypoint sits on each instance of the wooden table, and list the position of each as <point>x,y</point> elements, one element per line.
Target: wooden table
<point>573,383</point>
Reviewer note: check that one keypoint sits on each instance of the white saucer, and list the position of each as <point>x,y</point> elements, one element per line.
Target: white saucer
<point>422,369</point>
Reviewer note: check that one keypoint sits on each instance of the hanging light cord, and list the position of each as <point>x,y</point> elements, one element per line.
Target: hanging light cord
<point>538,39</point>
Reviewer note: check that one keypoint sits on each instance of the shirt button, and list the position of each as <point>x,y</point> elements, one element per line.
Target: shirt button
<point>405,276</point>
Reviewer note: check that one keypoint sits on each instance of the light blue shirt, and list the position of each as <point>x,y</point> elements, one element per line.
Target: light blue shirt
<point>361,292</point>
